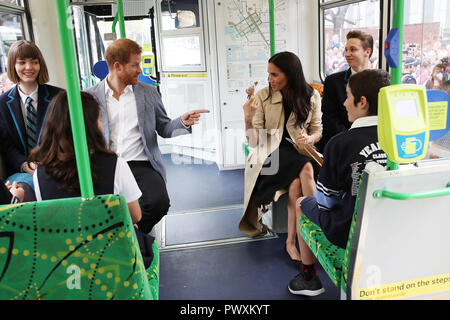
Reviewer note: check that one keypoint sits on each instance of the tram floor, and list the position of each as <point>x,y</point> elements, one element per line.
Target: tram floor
<point>255,270</point>
<point>220,264</point>
<point>193,184</point>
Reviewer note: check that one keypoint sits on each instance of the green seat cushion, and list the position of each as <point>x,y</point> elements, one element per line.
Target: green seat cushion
<point>153,272</point>
<point>331,257</point>
<point>73,249</point>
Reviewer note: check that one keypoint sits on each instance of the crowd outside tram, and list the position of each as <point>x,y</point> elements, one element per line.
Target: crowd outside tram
<point>418,62</point>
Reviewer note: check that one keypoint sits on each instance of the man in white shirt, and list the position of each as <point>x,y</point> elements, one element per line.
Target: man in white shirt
<point>132,115</point>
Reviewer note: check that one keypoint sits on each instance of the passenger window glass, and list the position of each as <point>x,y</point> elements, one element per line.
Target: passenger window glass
<point>426,43</point>
<point>426,49</point>
<point>11,30</point>
<point>137,30</point>
<point>181,37</point>
<point>337,22</point>
<point>16,2</point>
<point>179,14</point>
<point>182,51</point>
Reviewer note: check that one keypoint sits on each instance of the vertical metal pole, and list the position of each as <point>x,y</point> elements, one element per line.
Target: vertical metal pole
<point>396,73</point>
<point>121,17</point>
<point>74,97</point>
<point>272,27</point>
<point>113,27</point>
<point>397,23</point>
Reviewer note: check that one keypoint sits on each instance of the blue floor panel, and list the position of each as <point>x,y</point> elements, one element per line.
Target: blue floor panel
<point>203,226</point>
<point>259,270</point>
<point>193,186</point>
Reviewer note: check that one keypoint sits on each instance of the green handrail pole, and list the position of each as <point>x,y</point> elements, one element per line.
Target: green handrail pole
<point>378,194</point>
<point>74,97</point>
<point>113,27</point>
<point>396,73</point>
<point>397,23</point>
<point>121,17</point>
<point>272,27</point>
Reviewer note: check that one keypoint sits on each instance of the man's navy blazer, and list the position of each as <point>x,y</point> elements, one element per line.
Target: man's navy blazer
<point>12,124</point>
<point>152,121</point>
<point>334,114</point>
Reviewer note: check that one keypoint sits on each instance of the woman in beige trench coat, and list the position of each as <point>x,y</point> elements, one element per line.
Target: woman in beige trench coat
<point>274,162</point>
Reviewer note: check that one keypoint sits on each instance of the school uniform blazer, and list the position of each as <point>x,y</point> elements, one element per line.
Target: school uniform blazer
<point>269,123</point>
<point>13,127</point>
<point>334,114</point>
<point>152,120</point>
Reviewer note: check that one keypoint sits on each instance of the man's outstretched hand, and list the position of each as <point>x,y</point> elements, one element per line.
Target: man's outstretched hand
<point>192,117</point>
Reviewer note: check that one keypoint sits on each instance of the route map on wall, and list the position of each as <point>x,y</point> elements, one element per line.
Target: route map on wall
<point>247,40</point>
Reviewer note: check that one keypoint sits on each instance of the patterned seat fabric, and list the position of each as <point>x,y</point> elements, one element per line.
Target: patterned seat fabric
<point>153,273</point>
<point>330,256</point>
<point>73,249</point>
<point>333,259</point>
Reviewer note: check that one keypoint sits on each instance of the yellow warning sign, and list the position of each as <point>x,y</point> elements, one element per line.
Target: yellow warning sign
<point>187,75</point>
<point>437,115</point>
<point>406,289</point>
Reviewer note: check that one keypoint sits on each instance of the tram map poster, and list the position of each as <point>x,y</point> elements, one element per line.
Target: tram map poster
<point>246,38</point>
<point>243,48</point>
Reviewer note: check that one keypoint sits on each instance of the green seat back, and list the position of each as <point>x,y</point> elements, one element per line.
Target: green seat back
<point>333,259</point>
<point>73,249</point>
<point>330,256</point>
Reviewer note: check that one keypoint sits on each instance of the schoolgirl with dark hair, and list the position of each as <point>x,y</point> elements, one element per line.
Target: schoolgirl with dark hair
<point>56,175</point>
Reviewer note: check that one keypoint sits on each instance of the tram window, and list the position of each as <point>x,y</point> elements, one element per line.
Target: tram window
<point>182,51</point>
<point>179,14</point>
<point>137,30</point>
<point>11,30</point>
<point>182,42</point>
<point>426,42</point>
<point>336,21</point>
<point>81,39</point>
<point>97,48</point>
<point>16,2</point>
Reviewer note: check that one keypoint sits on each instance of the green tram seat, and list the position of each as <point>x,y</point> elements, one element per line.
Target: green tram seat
<point>388,229</point>
<point>73,250</point>
<point>333,259</point>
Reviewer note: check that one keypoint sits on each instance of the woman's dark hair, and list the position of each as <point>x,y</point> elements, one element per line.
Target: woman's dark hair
<point>298,92</point>
<point>56,152</point>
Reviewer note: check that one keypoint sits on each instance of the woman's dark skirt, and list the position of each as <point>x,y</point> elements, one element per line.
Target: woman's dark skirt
<point>290,164</point>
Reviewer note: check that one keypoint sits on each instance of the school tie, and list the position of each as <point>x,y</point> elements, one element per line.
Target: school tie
<point>31,124</point>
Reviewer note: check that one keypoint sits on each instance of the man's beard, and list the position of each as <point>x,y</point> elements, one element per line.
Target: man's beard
<point>128,79</point>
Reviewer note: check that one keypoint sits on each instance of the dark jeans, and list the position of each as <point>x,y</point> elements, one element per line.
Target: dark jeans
<point>154,201</point>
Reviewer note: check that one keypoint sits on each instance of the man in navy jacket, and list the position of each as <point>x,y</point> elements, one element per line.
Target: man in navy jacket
<point>358,50</point>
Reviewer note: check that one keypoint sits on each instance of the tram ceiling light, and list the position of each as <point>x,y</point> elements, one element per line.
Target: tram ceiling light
<point>97,8</point>
<point>93,3</point>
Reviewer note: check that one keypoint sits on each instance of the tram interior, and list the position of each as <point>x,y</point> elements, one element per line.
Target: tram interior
<point>207,53</point>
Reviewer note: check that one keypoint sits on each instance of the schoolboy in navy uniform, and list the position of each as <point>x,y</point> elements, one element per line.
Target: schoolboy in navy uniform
<point>345,156</point>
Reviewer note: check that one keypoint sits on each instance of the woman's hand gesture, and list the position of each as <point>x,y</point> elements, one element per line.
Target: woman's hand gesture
<point>250,108</point>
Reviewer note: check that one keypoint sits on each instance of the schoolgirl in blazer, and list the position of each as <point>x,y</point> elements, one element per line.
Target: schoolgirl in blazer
<point>28,70</point>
